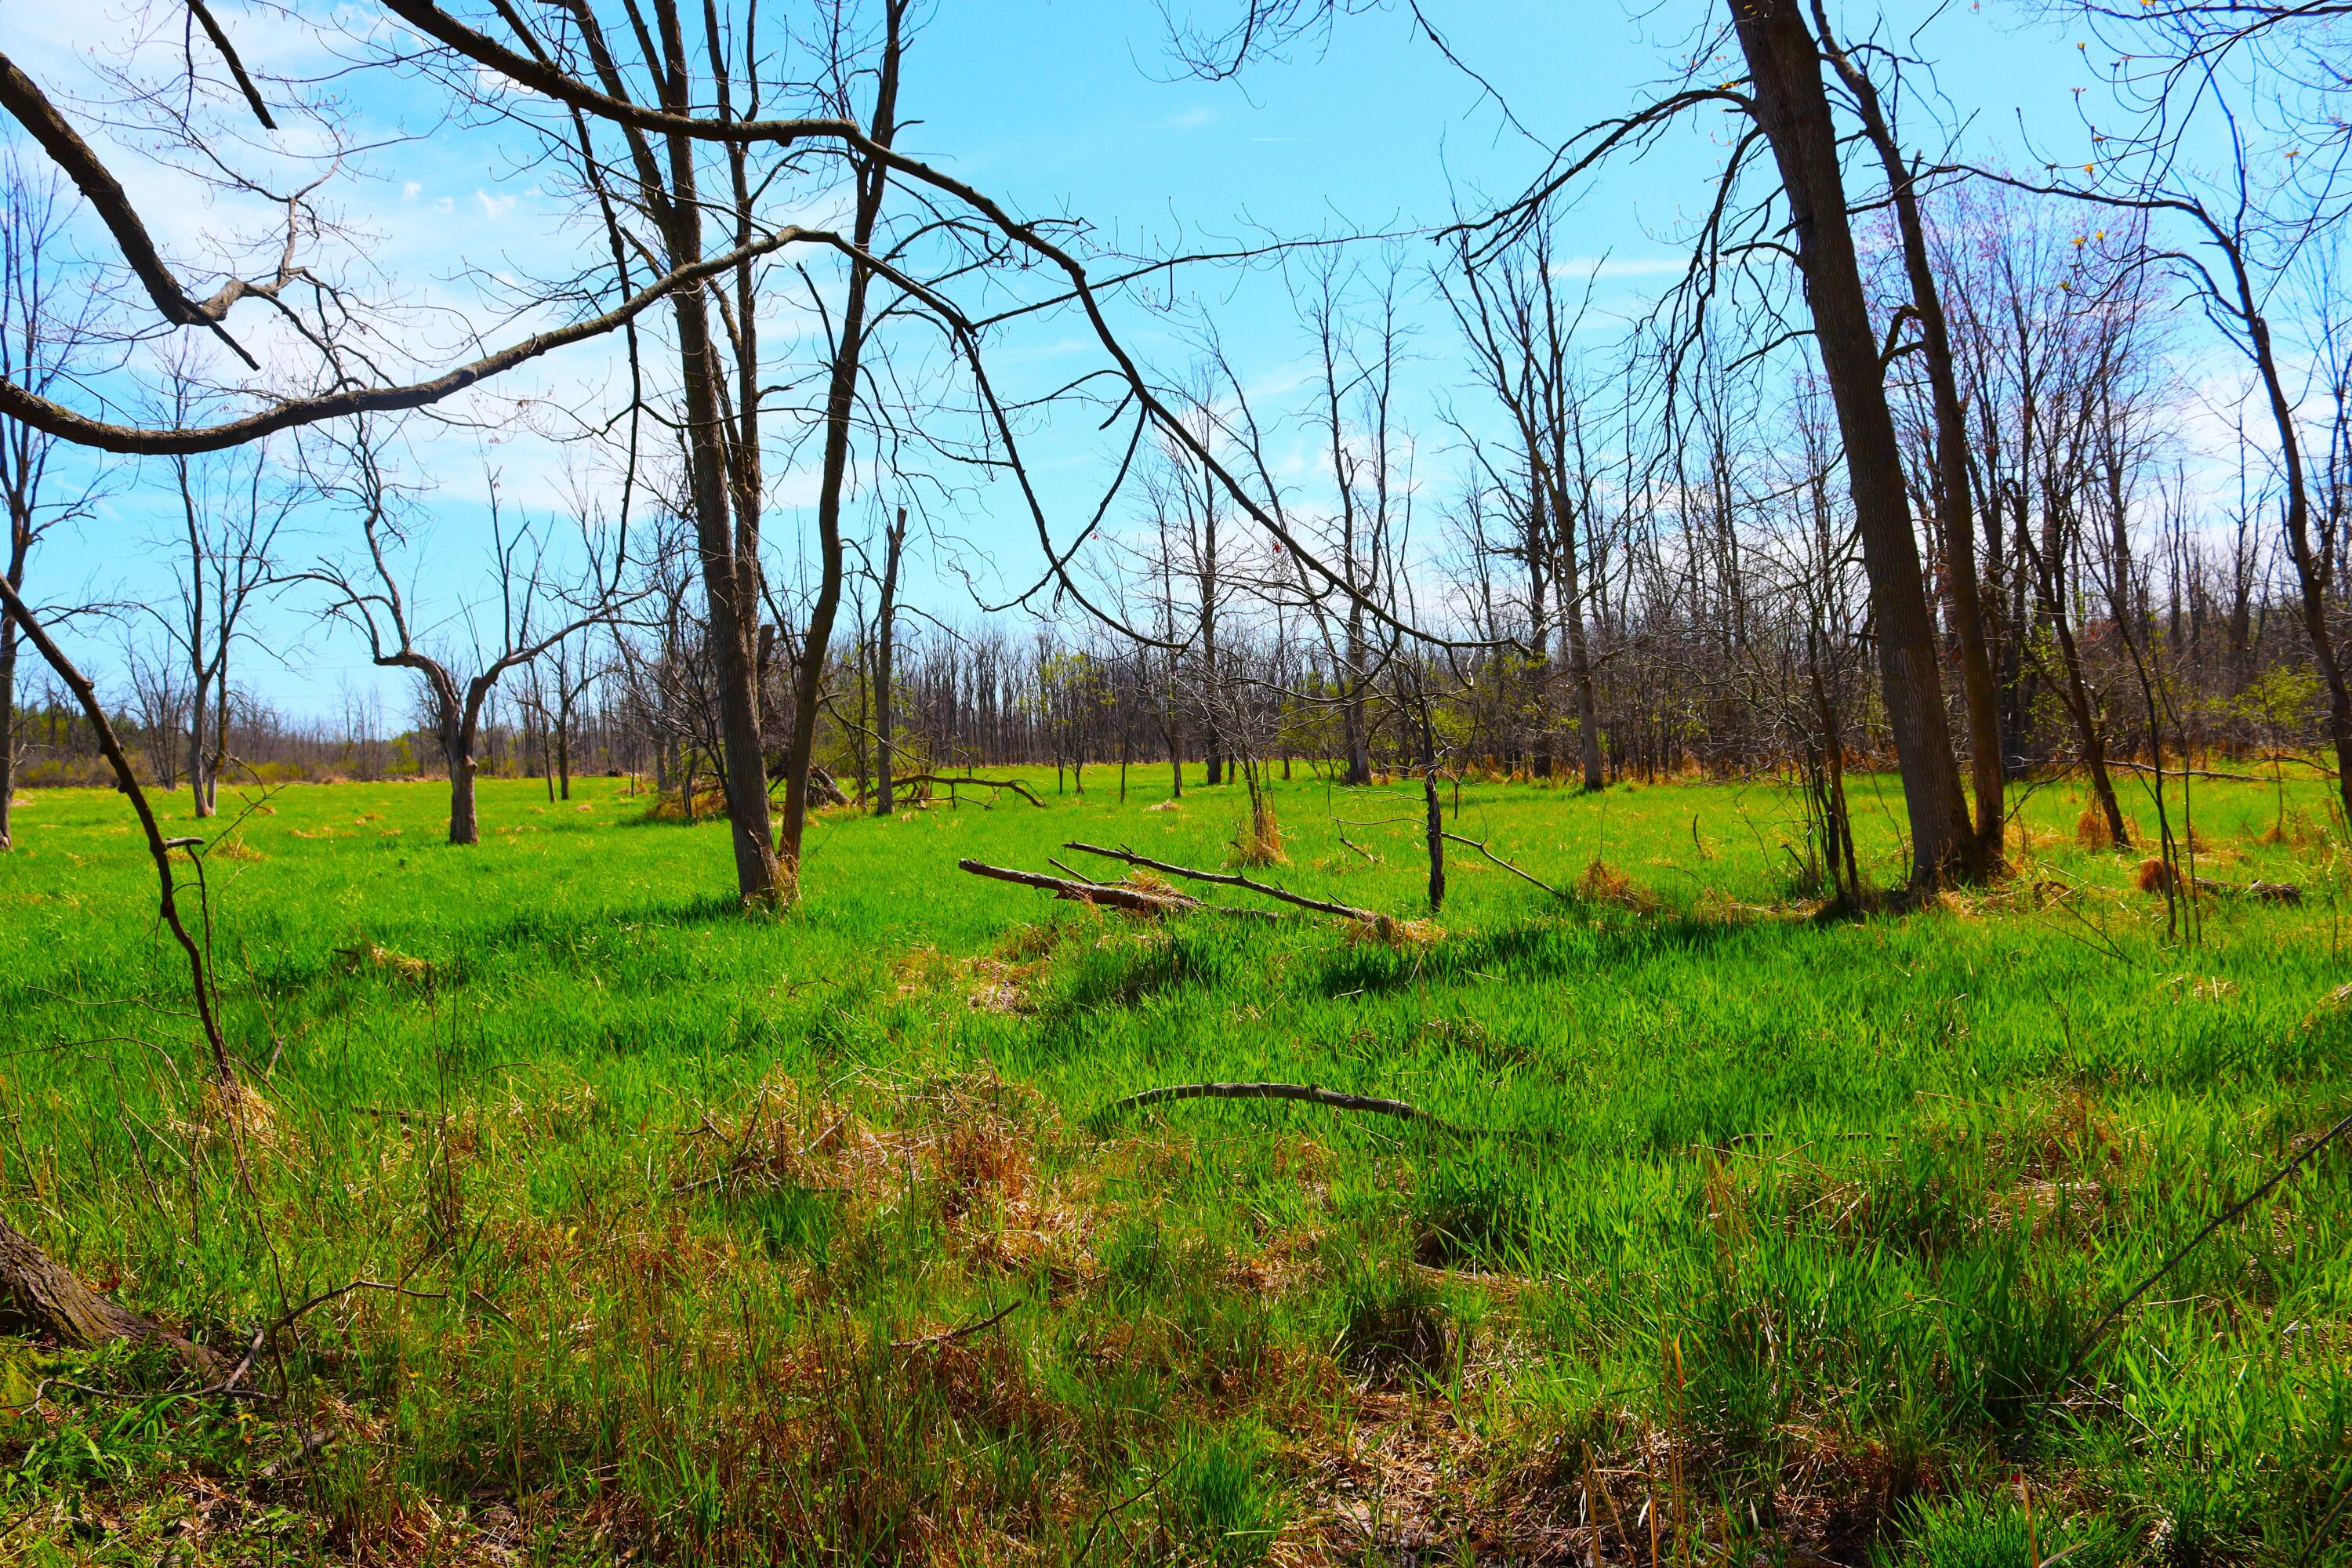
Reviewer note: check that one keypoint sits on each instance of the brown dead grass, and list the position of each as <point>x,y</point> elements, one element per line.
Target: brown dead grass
<point>1602,882</point>
<point>373,957</point>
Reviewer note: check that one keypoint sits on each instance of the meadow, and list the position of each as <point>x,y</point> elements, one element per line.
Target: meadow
<point>648,1229</point>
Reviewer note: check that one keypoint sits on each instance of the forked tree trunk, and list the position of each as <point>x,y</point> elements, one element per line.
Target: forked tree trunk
<point>1955,495</point>
<point>1792,109</point>
<point>840,411</point>
<point>730,571</point>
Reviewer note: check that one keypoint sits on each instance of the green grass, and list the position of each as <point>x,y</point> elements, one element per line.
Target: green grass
<point>1787,1229</point>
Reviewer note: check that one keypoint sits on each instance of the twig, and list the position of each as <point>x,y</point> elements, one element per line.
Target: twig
<point>949,1336</point>
<point>1131,899</point>
<point>1229,879</point>
<point>1505,865</point>
<point>1311,1094</point>
<point>2216,1223</point>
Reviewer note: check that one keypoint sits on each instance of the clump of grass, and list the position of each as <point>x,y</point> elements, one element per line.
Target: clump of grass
<point>1257,838</point>
<point>1405,935</point>
<point>1218,1502</point>
<point>1396,1331</point>
<point>1972,1532</point>
<point>2091,830</point>
<point>2155,875</point>
<point>1603,883</point>
<point>373,956</point>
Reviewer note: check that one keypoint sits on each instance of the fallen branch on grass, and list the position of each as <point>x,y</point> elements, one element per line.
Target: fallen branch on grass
<point>1133,899</point>
<point>1015,786</point>
<point>949,1336</point>
<point>2187,772</point>
<point>1480,847</point>
<point>1307,1093</point>
<point>2157,876</point>
<point>2092,1339</point>
<point>1230,880</point>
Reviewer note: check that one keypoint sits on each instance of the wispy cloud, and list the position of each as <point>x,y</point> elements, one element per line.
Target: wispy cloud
<point>1608,267</point>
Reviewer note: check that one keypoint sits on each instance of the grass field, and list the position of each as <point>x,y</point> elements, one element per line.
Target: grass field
<point>1752,1237</point>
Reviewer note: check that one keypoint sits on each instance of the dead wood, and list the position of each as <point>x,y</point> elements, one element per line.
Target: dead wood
<point>38,1293</point>
<point>1479,846</point>
<point>935,780</point>
<point>2187,772</point>
<point>949,1336</point>
<point>823,790</point>
<point>1133,899</point>
<point>1306,1093</point>
<point>1229,879</point>
<point>2157,876</point>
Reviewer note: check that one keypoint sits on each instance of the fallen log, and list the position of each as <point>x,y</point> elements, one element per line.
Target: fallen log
<point>1306,1093</point>
<point>40,1293</point>
<point>953,782</point>
<point>1133,899</point>
<point>1230,880</point>
<point>2155,876</point>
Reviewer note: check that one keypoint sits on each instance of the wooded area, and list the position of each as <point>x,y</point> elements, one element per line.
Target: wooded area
<point>1955,530</point>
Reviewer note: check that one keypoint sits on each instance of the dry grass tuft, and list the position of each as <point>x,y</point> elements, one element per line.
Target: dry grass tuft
<point>1603,882</point>
<point>235,849</point>
<point>1390,932</point>
<point>2295,830</point>
<point>1167,806</point>
<point>1152,882</point>
<point>2155,876</point>
<point>384,960</point>
<point>1257,839</point>
<point>2091,830</point>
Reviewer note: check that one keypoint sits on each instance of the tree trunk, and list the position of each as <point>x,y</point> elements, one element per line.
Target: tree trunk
<point>730,568</point>
<point>884,647</point>
<point>1792,109</point>
<point>840,408</point>
<point>1356,732</point>
<point>1433,817</point>
<point>1955,495</point>
<point>40,1294</point>
<point>463,826</point>
<point>196,759</point>
<point>7,733</point>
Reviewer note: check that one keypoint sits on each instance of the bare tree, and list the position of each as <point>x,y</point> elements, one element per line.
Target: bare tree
<point>232,508</point>
<point>48,319</point>
<point>533,615</point>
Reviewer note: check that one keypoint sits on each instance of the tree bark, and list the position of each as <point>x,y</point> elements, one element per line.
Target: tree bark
<point>884,646</point>
<point>1955,494</point>
<point>1792,109</point>
<point>7,728</point>
<point>840,410</point>
<point>730,566</point>
<point>40,1294</point>
<point>463,828</point>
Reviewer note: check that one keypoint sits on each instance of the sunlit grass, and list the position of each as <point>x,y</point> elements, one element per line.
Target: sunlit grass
<point>1783,1231</point>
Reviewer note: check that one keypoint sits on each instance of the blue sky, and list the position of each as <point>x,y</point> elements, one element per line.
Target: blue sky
<point>1055,105</point>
